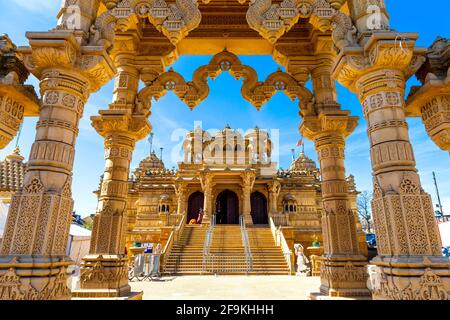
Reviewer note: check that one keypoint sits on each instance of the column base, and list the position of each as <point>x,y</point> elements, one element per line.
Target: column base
<point>248,220</point>
<point>206,220</point>
<point>87,294</point>
<point>320,296</point>
<point>344,276</point>
<point>103,276</point>
<point>410,278</point>
<point>34,277</point>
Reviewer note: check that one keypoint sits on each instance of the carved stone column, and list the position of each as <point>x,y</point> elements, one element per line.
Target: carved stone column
<point>248,181</point>
<point>180,190</point>
<point>344,268</point>
<point>431,101</point>
<point>206,180</point>
<point>104,271</point>
<point>409,264</point>
<point>33,258</point>
<point>274,193</point>
<point>324,86</point>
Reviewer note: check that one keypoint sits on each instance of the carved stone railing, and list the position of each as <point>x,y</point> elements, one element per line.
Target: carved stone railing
<point>280,241</point>
<point>173,238</point>
<point>281,219</point>
<point>174,219</point>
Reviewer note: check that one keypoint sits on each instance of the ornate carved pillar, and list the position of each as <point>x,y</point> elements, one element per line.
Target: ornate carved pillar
<point>248,181</point>
<point>33,258</point>
<point>104,271</point>
<point>409,264</point>
<point>274,193</point>
<point>206,180</point>
<point>344,268</point>
<point>431,101</point>
<point>180,190</point>
<point>324,86</point>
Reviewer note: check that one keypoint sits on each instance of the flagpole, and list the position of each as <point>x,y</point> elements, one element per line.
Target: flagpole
<point>150,140</point>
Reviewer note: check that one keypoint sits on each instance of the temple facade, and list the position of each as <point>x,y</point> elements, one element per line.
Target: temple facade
<point>243,181</point>
<point>350,42</point>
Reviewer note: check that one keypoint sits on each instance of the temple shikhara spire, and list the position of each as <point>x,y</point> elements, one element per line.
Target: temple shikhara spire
<point>226,207</point>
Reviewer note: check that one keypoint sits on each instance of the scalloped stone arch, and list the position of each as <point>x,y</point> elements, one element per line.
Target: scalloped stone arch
<point>192,93</point>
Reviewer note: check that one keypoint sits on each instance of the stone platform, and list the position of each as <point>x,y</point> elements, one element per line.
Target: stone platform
<point>228,288</point>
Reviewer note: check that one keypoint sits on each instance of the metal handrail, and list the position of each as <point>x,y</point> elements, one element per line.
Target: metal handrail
<point>246,244</point>
<point>208,242</point>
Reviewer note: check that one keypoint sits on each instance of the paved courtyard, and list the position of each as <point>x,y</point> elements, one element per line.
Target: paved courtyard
<point>228,288</point>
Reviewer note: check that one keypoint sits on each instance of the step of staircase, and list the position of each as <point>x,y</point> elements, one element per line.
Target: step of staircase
<point>186,257</point>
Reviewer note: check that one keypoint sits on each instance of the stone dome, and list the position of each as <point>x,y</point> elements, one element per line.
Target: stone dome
<point>302,164</point>
<point>151,162</point>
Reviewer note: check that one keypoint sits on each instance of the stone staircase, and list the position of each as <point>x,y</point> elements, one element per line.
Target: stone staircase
<point>227,251</point>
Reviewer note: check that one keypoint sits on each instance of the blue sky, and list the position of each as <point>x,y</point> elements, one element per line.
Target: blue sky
<point>226,105</point>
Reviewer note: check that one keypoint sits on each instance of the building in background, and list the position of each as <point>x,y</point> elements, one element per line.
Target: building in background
<point>230,175</point>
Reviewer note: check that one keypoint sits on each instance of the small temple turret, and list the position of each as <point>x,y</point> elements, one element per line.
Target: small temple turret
<point>12,171</point>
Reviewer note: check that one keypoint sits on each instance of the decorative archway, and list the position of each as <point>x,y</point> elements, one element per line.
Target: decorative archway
<point>256,92</point>
<point>73,61</point>
<point>195,203</point>
<point>259,208</point>
<point>227,208</point>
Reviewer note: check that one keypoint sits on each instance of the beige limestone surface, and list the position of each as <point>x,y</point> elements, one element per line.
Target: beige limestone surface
<point>228,288</point>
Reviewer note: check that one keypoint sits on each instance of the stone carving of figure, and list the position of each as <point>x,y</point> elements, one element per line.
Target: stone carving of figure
<point>11,78</point>
<point>139,106</point>
<point>71,19</point>
<point>302,260</point>
<point>94,36</point>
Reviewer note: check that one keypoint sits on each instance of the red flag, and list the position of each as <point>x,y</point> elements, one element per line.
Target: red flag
<point>300,143</point>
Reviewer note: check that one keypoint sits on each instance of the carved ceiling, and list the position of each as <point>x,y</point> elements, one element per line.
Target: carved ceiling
<point>222,24</point>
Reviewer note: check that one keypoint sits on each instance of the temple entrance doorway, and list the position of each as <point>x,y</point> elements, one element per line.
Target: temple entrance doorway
<point>195,203</point>
<point>259,208</point>
<point>227,208</point>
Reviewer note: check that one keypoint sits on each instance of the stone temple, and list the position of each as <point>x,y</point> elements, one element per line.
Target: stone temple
<point>244,200</point>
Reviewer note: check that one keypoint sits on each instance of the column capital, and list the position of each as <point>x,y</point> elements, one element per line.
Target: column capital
<point>248,179</point>
<point>338,123</point>
<point>275,187</point>
<point>431,101</point>
<point>384,52</point>
<point>206,180</point>
<point>61,50</point>
<point>122,122</point>
<point>180,187</point>
<point>16,98</point>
